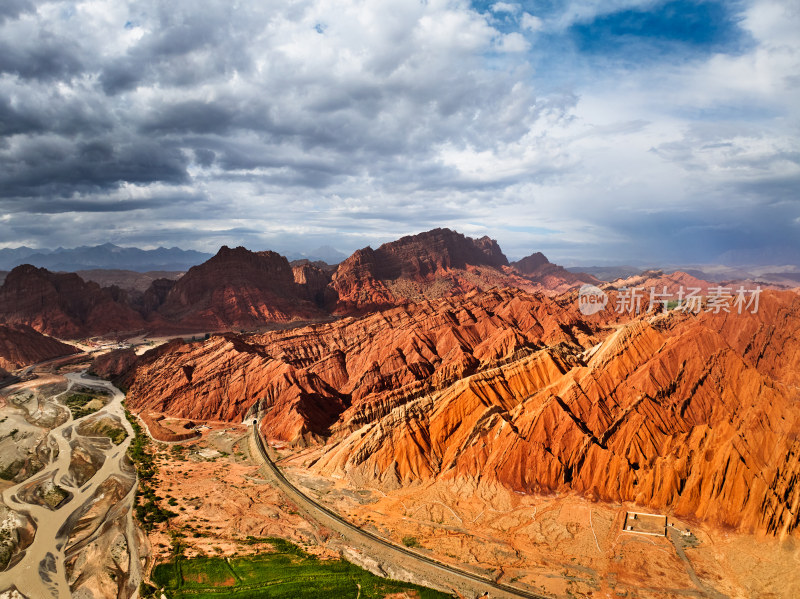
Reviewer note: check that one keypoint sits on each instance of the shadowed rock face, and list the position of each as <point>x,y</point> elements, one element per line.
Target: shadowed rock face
<point>63,304</point>
<point>537,269</point>
<point>698,413</point>
<point>155,295</point>
<point>419,256</point>
<point>531,264</point>
<point>430,265</point>
<point>313,282</point>
<point>237,287</point>
<point>114,364</point>
<point>240,289</point>
<point>307,378</point>
<point>21,346</point>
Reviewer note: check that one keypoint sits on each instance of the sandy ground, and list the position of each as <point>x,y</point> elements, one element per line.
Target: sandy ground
<point>221,499</point>
<point>558,545</point>
<point>562,545</point>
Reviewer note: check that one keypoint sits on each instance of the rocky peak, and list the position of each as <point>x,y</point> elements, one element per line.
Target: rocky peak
<point>20,345</point>
<point>62,304</point>
<point>531,264</point>
<point>237,287</point>
<point>242,260</point>
<point>426,253</point>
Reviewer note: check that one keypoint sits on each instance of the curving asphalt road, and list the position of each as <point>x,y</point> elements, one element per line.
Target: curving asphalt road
<point>437,574</point>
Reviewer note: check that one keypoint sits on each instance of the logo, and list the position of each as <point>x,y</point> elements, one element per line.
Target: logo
<point>591,300</point>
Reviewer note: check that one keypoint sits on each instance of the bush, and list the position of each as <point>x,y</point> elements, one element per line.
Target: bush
<point>411,542</point>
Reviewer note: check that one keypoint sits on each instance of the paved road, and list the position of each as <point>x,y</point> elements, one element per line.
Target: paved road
<point>26,370</point>
<point>433,572</point>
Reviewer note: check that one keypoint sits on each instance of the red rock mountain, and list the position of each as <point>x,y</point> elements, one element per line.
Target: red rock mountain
<point>114,365</point>
<point>322,370</point>
<point>234,289</point>
<point>430,265</point>
<point>538,269</point>
<point>238,288</point>
<point>693,413</point>
<point>658,280</point>
<point>21,346</point>
<point>63,304</point>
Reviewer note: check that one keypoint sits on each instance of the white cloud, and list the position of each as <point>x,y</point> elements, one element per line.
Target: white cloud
<point>346,121</point>
<point>529,22</point>
<point>582,11</point>
<point>512,42</point>
<point>512,9</point>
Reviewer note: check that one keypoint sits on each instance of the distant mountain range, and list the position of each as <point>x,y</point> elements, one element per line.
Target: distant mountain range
<point>781,275</point>
<point>110,256</point>
<point>240,289</point>
<point>325,253</point>
<point>106,256</point>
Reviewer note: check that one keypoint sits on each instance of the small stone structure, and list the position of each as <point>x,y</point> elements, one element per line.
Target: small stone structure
<point>645,524</point>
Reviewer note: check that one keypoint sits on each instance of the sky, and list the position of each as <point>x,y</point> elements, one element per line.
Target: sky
<point>596,131</point>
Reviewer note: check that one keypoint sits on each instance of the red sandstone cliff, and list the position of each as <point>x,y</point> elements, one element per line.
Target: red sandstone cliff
<point>694,413</point>
<point>22,346</point>
<point>63,304</point>
<point>697,414</point>
<point>313,281</point>
<point>538,269</point>
<point>311,375</point>
<point>658,280</point>
<point>238,288</point>
<point>114,364</point>
<point>430,265</point>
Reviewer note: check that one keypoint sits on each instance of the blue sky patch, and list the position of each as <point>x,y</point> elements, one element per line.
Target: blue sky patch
<point>678,27</point>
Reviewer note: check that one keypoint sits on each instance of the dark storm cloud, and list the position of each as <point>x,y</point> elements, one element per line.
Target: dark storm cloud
<point>358,126</point>
<point>46,58</point>
<point>285,178</point>
<point>14,122</point>
<point>45,111</point>
<point>238,157</point>
<point>73,205</point>
<point>185,46</point>
<point>12,9</point>
<point>57,167</point>
<point>304,120</point>
<point>204,157</point>
<point>190,117</point>
<point>778,191</point>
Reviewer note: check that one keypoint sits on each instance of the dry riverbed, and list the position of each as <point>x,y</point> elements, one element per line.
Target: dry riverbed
<point>66,528</point>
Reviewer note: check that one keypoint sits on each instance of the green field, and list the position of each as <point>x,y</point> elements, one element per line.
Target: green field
<point>289,573</point>
<point>85,402</point>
